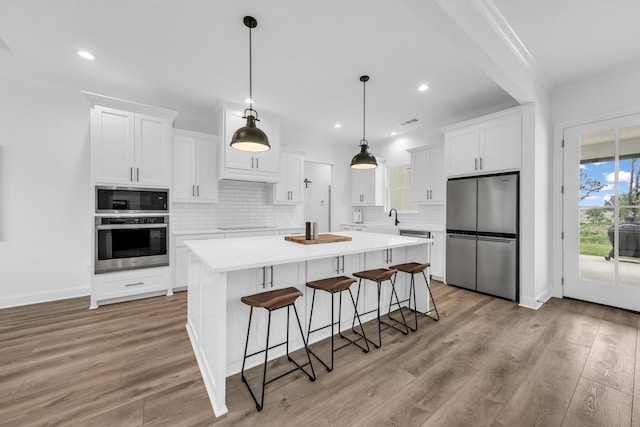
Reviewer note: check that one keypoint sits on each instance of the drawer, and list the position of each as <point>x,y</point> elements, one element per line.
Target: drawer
<point>123,284</point>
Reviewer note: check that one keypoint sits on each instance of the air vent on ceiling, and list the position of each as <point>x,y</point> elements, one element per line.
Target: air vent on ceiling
<point>408,122</point>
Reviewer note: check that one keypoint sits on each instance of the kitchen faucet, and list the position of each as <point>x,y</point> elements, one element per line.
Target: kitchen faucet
<point>392,210</point>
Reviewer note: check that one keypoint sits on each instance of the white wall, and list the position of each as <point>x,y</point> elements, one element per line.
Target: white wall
<point>44,192</point>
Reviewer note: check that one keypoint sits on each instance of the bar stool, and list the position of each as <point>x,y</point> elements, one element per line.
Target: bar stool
<point>378,276</point>
<point>415,268</point>
<point>335,285</point>
<point>274,300</point>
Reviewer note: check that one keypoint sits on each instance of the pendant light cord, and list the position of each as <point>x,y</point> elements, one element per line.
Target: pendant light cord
<point>364,107</point>
<point>250,74</point>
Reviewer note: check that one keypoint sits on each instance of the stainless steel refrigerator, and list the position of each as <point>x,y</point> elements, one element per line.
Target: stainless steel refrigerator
<point>482,234</point>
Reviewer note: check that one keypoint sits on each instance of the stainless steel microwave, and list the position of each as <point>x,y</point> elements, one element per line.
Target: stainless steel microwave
<point>122,200</point>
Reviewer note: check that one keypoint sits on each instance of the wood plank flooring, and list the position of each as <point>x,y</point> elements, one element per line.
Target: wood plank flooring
<point>487,362</point>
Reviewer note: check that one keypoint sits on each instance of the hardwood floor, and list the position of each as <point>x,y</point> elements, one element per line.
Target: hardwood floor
<point>487,362</point>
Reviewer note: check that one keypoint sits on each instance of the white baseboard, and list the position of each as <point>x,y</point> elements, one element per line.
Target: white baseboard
<point>531,303</point>
<point>39,297</point>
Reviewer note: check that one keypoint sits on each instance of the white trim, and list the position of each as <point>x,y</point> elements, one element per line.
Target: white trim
<point>121,104</point>
<point>531,303</point>
<point>40,297</point>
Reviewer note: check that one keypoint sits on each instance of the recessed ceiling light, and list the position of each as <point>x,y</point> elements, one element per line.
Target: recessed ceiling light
<point>337,125</point>
<point>423,87</point>
<point>86,55</point>
<point>394,133</point>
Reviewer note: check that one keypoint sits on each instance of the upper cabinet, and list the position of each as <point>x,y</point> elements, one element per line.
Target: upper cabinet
<point>195,177</point>
<point>427,175</point>
<point>244,165</point>
<point>288,191</point>
<point>368,186</point>
<point>130,148</point>
<point>488,144</point>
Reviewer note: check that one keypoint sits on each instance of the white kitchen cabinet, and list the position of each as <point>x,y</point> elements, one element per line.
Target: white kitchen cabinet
<point>288,191</point>
<point>349,227</point>
<point>437,255</point>
<point>368,186</point>
<point>488,144</point>
<point>194,167</point>
<point>427,175</point>
<point>343,265</point>
<point>244,165</point>
<point>130,148</point>
<point>253,281</point>
<point>131,284</point>
<point>180,257</point>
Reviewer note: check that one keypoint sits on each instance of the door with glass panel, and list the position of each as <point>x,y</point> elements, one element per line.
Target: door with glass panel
<point>601,212</point>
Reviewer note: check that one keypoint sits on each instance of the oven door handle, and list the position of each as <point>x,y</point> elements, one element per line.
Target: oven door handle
<point>125,226</point>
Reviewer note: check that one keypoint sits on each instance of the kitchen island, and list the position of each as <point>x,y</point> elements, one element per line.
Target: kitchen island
<point>221,271</point>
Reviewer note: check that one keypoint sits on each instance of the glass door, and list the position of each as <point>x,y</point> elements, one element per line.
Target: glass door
<point>601,212</point>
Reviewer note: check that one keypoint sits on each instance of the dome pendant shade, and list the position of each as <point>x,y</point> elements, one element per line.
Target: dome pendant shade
<point>250,137</point>
<point>364,159</point>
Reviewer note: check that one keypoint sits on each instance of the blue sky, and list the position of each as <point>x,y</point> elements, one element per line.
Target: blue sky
<point>604,172</point>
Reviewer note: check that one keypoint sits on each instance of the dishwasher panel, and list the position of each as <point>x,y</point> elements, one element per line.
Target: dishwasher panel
<point>461,260</point>
<point>496,267</point>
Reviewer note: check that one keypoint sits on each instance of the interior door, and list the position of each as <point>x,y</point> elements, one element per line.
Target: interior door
<point>601,205</point>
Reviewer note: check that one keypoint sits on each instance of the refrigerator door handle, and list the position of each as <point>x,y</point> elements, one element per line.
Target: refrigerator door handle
<point>496,239</point>
<point>462,236</point>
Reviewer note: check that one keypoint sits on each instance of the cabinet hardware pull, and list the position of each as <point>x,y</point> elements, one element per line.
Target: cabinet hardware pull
<point>264,277</point>
<point>252,163</point>
<point>257,162</point>
<point>193,190</point>
<point>430,194</point>
<point>390,255</point>
<point>271,268</point>
<point>198,190</point>
<point>138,174</point>
<point>134,284</point>
<point>480,162</point>
<point>342,256</point>
<point>131,174</point>
<point>476,163</point>
<point>337,264</point>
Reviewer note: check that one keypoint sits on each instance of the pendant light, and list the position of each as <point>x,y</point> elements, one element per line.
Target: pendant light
<point>250,137</point>
<point>364,159</point>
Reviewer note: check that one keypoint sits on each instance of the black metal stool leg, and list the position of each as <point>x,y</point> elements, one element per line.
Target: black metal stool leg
<point>396,322</point>
<point>311,376</point>
<point>432,300</point>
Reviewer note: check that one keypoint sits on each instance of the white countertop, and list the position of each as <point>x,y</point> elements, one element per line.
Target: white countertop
<point>402,226</point>
<point>240,253</point>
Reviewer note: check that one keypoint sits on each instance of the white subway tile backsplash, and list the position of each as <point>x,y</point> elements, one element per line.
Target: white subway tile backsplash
<point>427,215</point>
<point>239,204</point>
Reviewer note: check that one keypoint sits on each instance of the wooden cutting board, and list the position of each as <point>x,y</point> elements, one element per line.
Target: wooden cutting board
<point>322,238</point>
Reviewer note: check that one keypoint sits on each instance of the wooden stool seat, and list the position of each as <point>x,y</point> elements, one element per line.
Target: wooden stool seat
<point>411,267</point>
<point>376,275</point>
<point>272,300</point>
<point>332,284</point>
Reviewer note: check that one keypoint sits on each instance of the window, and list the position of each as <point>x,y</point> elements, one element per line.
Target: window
<point>400,188</point>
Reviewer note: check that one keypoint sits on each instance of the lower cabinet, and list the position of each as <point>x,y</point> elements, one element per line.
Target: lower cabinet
<point>128,285</point>
<point>253,281</point>
<point>344,265</point>
<point>180,257</point>
<point>437,255</point>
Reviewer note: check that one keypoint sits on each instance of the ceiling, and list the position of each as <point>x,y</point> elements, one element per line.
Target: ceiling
<point>307,56</point>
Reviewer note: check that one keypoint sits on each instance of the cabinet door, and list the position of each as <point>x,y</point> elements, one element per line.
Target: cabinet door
<point>295,175</point>
<point>184,173</point>
<point>269,161</point>
<point>461,151</point>
<point>420,176</point>
<point>206,171</point>
<point>366,186</point>
<point>152,151</point>
<point>437,255</point>
<point>501,144</point>
<point>437,179</point>
<point>112,145</point>
<point>235,158</point>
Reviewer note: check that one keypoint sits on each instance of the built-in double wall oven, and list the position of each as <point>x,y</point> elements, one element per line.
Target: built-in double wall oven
<point>131,228</point>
